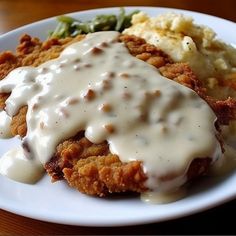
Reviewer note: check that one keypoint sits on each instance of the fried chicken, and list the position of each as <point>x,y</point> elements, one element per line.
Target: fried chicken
<point>91,168</point>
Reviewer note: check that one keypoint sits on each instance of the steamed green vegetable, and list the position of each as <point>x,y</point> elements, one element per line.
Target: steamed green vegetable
<point>68,26</point>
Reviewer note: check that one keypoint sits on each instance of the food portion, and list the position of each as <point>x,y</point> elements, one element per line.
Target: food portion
<point>213,61</point>
<point>109,113</point>
<point>98,88</point>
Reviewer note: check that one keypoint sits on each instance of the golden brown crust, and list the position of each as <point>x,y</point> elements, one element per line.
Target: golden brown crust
<point>18,123</point>
<point>8,62</point>
<point>225,109</point>
<point>99,175</point>
<point>32,52</point>
<point>3,98</point>
<point>146,52</point>
<point>181,73</point>
<point>70,151</point>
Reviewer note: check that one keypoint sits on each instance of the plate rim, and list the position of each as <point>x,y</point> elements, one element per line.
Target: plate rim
<point>110,9</point>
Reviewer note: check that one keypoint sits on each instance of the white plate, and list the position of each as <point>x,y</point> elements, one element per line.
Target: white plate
<point>59,203</point>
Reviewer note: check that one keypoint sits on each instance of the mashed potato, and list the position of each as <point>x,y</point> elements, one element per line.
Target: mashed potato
<point>211,59</point>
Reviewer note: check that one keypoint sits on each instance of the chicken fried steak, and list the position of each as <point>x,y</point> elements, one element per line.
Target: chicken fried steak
<point>92,168</point>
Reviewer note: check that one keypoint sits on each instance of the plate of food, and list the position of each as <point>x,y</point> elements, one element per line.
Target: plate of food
<point>118,116</point>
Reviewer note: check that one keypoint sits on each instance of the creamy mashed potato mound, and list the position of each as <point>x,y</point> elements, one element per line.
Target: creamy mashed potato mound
<point>177,35</point>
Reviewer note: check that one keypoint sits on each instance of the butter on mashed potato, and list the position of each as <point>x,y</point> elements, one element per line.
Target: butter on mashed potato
<point>184,41</point>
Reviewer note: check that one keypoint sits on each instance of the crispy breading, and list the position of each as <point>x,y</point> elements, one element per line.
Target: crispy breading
<point>32,52</point>
<point>3,98</point>
<point>65,154</point>
<point>99,175</point>
<point>18,123</point>
<point>93,170</point>
<point>88,167</point>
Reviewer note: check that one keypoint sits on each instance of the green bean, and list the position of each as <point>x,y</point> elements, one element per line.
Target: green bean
<point>120,19</point>
<point>103,22</point>
<point>66,19</point>
<point>68,26</point>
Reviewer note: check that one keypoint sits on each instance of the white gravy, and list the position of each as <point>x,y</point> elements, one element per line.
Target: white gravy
<point>97,86</point>
<point>5,122</point>
<point>15,165</point>
<point>163,197</point>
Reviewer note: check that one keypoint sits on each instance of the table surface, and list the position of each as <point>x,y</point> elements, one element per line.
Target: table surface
<point>215,221</point>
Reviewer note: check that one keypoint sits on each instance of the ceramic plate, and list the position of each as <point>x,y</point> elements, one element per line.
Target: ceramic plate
<point>61,204</point>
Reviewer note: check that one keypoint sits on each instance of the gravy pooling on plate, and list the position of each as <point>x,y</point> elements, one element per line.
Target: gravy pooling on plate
<point>97,86</point>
